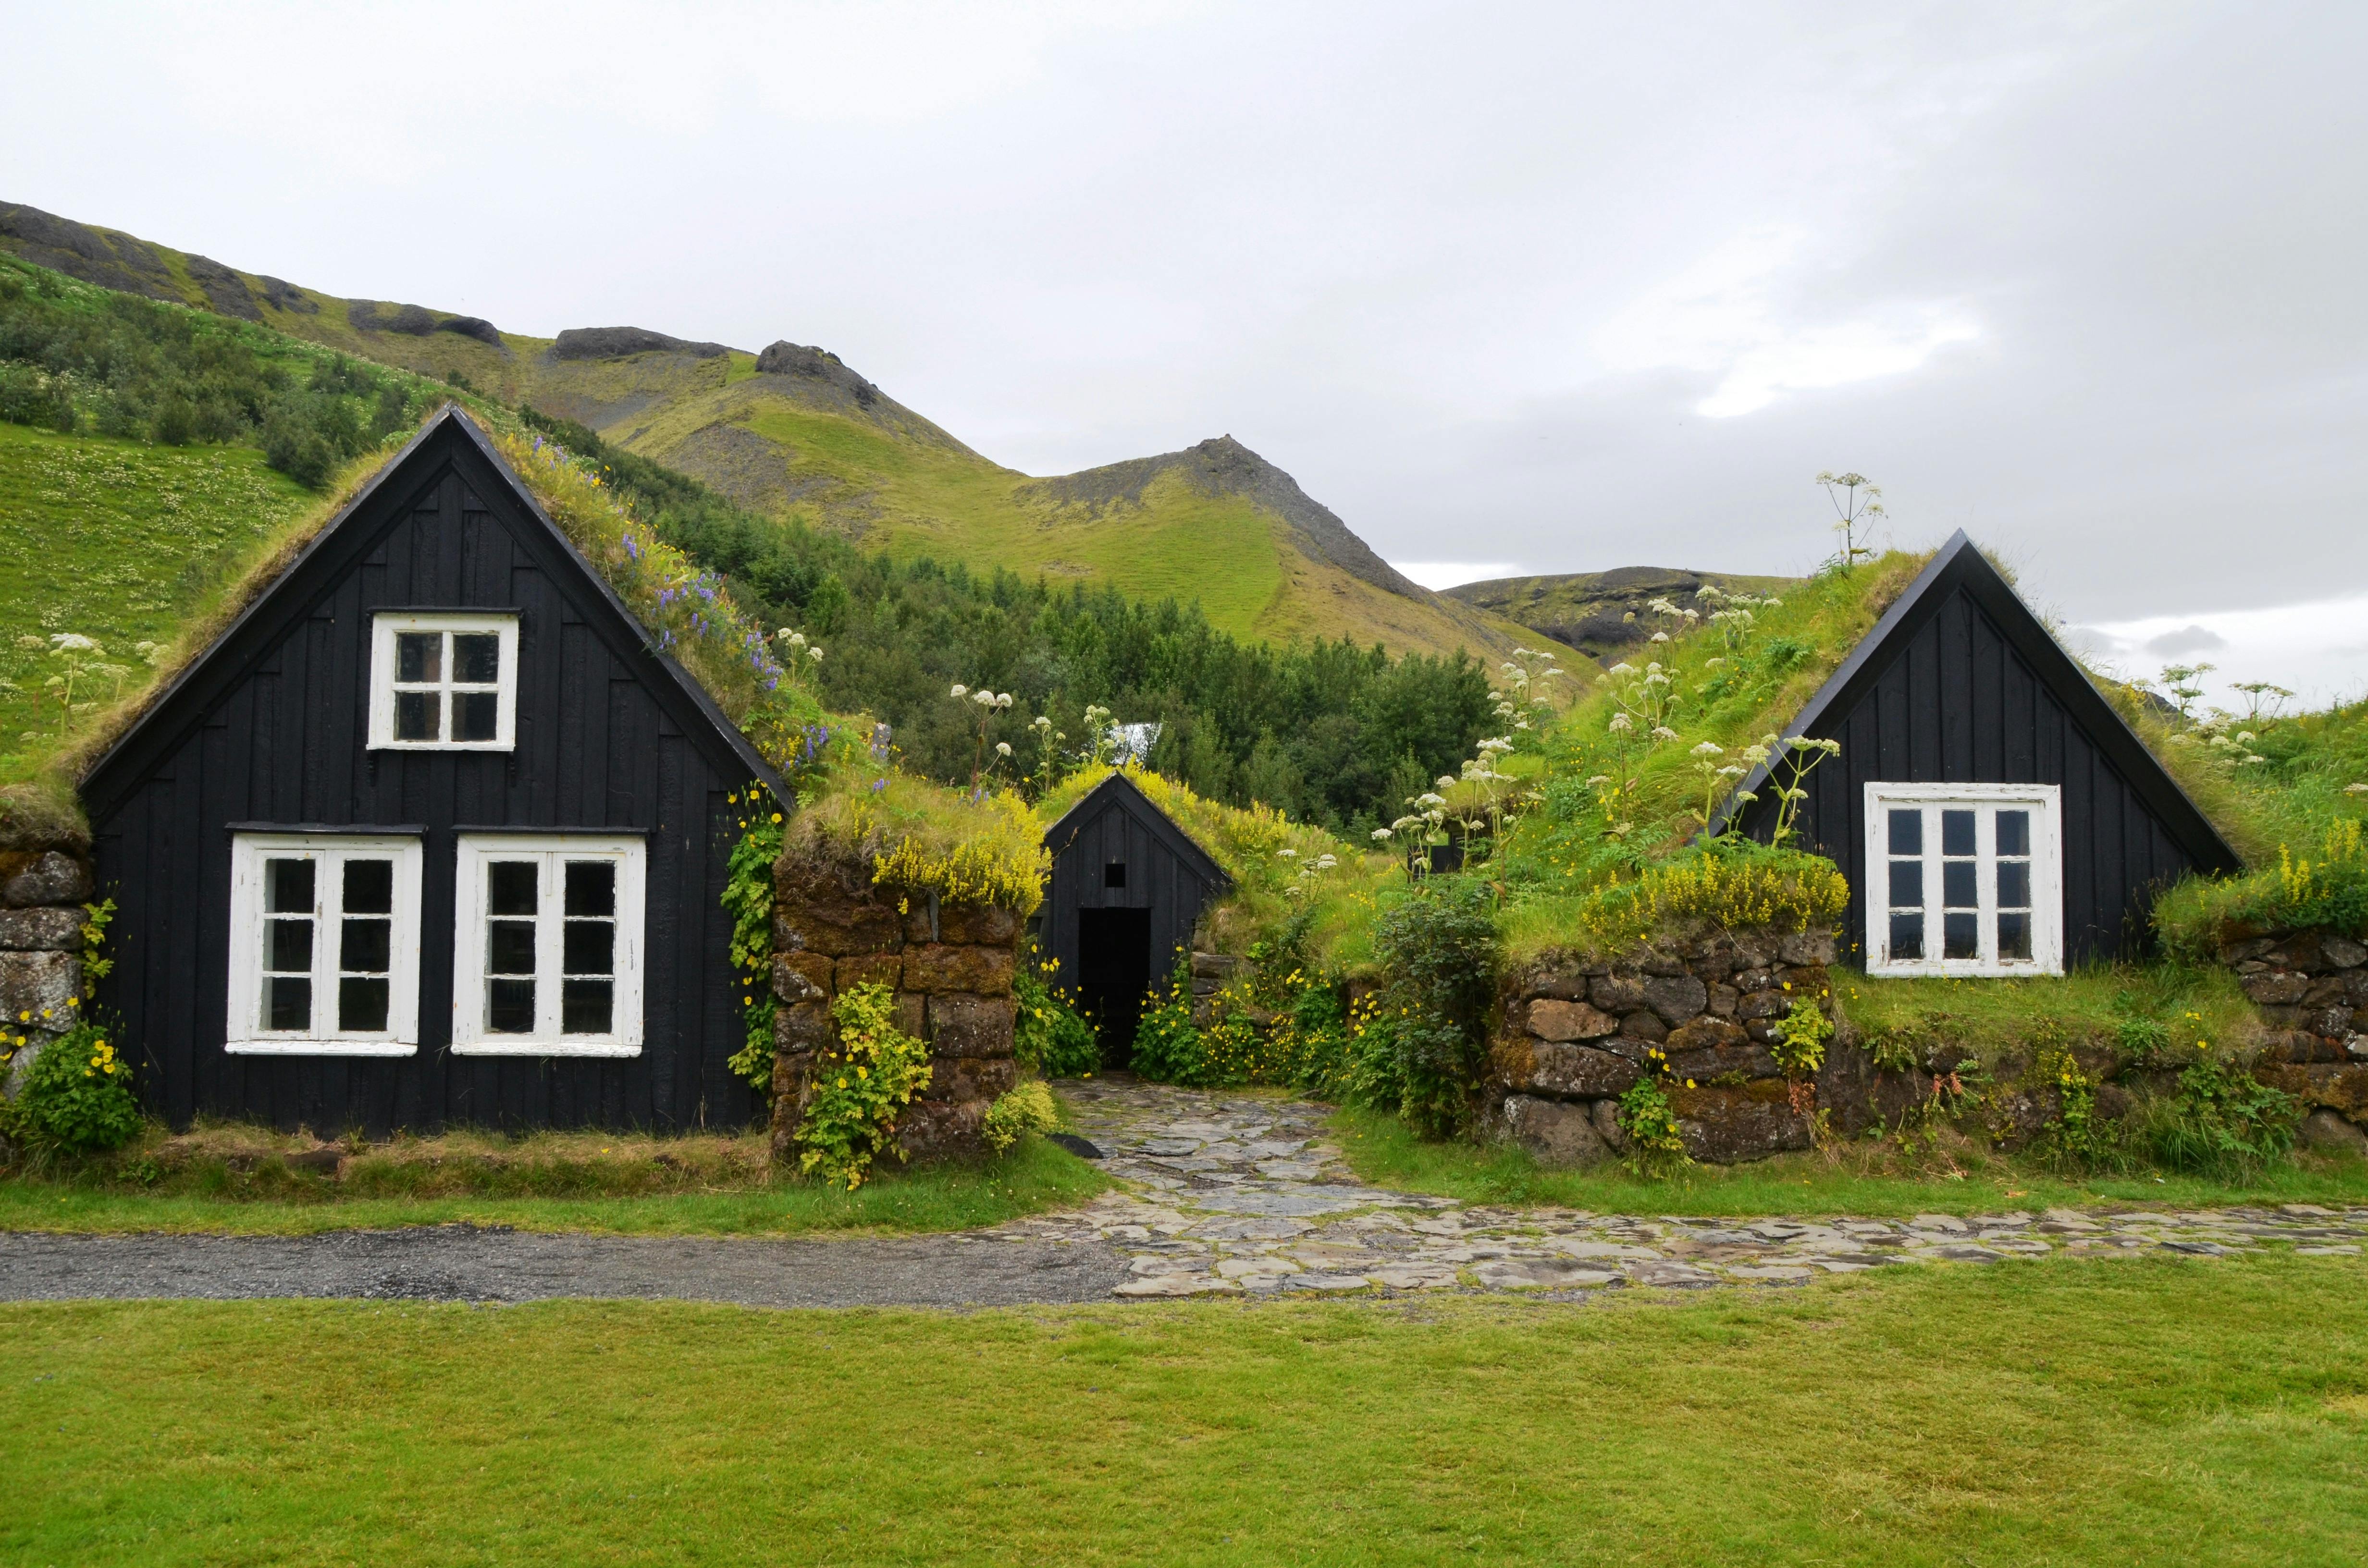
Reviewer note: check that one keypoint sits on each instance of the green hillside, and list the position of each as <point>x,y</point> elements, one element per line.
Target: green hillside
<point>794,433</point>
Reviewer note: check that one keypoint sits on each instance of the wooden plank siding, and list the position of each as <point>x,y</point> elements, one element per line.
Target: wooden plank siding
<point>1961,685</point>
<point>1168,874</point>
<point>270,728</point>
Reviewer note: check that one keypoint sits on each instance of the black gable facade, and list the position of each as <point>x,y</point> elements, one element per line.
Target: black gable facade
<point>430,836</point>
<point>1993,814</point>
<point>1126,891</point>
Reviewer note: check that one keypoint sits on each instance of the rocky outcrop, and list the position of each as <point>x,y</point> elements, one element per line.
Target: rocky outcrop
<point>786,358</point>
<point>951,968</point>
<point>617,342</point>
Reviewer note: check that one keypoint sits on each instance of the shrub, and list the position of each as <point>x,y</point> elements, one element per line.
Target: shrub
<point>860,1086</point>
<point>1027,1109</point>
<point>1727,881</point>
<point>1048,1036</point>
<point>76,1096</point>
<point>1168,1045</point>
<point>1438,951</point>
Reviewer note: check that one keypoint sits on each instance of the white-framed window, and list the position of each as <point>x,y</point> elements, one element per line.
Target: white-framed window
<point>323,944</point>
<point>547,957</point>
<point>1964,879</point>
<point>443,681</point>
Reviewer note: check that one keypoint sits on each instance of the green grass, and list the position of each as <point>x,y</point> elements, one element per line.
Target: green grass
<point>1949,1176</point>
<point>117,540</point>
<point>1986,1015</point>
<point>2059,1412</point>
<point>627,1195</point>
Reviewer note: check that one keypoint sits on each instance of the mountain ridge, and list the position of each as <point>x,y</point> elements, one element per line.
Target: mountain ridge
<point>794,432</point>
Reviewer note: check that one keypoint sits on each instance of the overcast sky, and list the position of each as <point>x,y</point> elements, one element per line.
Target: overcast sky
<point>1536,289</point>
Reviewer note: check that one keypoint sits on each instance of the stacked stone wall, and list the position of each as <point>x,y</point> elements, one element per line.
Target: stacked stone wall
<point>1574,1035</point>
<point>951,969</point>
<point>41,896</point>
<point>2311,988</point>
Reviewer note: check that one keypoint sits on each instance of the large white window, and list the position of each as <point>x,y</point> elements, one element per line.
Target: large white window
<point>324,945</point>
<point>443,681</point>
<point>1964,879</point>
<point>548,954</point>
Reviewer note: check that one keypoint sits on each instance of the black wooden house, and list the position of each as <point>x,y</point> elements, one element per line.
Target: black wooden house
<point>1993,814</point>
<point>432,834</point>
<point>1126,891</point>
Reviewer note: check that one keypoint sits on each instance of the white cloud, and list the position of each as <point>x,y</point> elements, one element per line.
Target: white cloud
<point>2317,650</point>
<point>1731,314</point>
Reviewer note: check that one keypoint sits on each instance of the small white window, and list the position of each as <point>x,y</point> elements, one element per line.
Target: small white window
<point>548,955</point>
<point>324,945</point>
<point>1964,879</point>
<point>443,682</point>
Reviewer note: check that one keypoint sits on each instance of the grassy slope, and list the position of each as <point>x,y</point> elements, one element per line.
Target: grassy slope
<point>117,540</point>
<point>2060,1413</point>
<point>911,488</point>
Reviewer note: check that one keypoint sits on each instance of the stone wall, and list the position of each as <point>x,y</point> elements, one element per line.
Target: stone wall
<point>2312,990</point>
<point>1574,1035</point>
<point>41,896</point>
<point>951,968</point>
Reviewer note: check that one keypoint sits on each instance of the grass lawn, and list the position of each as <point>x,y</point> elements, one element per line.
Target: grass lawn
<point>2061,1412</point>
<point>547,1182</point>
<point>1853,1178</point>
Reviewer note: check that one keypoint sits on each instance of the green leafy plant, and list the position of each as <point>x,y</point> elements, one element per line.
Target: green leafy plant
<point>1439,951</point>
<point>860,1086</point>
<point>1028,1108</point>
<point>1168,1048</point>
<point>95,965</point>
<point>1049,1035</point>
<point>2223,1122</point>
<point>2074,1135</point>
<point>1656,1149</point>
<point>1800,1036</point>
<point>76,1096</point>
<point>749,899</point>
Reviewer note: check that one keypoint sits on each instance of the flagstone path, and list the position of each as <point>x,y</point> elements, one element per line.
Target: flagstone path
<point>1245,1194</point>
<point>1228,1194</point>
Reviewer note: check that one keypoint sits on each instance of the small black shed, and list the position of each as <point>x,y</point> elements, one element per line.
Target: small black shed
<point>1993,814</point>
<point>431,833</point>
<point>1126,891</point>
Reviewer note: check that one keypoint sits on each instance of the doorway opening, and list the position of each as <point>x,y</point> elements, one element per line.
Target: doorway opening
<point>1113,972</point>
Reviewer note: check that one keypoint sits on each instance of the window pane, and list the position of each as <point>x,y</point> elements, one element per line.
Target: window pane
<point>592,887</point>
<point>287,945</point>
<point>288,887</point>
<point>1961,936</point>
<point>366,945</point>
<point>370,887</point>
<point>1956,833</point>
<point>2014,937</point>
<point>510,888</point>
<point>591,946</point>
<point>510,947</point>
<point>1906,831</point>
<point>418,656</point>
<point>1908,884</point>
<point>585,1007</point>
<point>418,715</point>
<point>288,1003</point>
<point>473,714</point>
<point>476,657</point>
<point>361,1005</point>
<point>1114,874</point>
<point>1908,935</point>
<point>2014,884</point>
<point>2014,833</point>
<point>509,1006</point>
<point>1957,885</point>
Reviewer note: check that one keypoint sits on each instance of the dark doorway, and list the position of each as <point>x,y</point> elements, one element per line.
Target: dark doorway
<point>1113,972</point>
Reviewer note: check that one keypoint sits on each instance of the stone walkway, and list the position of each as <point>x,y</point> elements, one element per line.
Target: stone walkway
<point>1245,1194</point>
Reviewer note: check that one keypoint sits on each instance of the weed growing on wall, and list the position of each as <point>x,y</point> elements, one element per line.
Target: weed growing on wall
<point>1656,1148</point>
<point>749,899</point>
<point>1028,1108</point>
<point>860,1086</point>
